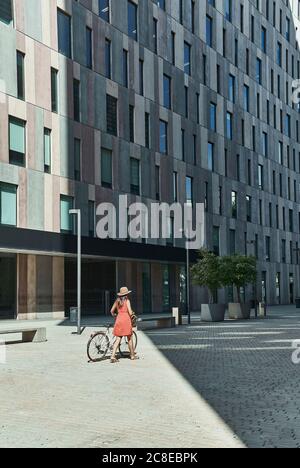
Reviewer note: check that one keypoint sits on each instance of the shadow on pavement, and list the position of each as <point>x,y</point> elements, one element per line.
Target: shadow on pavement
<point>244,370</point>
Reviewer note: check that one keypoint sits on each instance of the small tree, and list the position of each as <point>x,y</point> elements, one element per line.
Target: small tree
<point>238,271</point>
<point>207,273</point>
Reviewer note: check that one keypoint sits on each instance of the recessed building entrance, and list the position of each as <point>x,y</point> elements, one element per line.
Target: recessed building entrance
<point>8,286</point>
<point>98,285</point>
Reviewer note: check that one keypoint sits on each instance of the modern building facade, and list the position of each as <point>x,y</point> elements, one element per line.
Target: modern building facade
<point>166,100</point>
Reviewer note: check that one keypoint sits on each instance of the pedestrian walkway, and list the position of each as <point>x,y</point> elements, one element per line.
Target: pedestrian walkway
<point>244,371</point>
<point>52,397</point>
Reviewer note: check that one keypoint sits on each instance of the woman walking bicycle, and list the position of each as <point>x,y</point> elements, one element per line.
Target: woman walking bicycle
<point>123,327</point>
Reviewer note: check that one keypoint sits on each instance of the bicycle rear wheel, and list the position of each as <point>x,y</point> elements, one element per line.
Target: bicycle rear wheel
<point>97,347</point>
<point>123,349</point>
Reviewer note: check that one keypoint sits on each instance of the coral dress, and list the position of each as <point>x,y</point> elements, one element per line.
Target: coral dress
<point>123,325</point>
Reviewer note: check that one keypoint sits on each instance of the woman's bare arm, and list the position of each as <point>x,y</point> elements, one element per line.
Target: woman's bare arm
<point>114,307</point>
<point>129,308</point>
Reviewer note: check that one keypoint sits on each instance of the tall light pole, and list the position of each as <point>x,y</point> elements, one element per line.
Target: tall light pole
<point>255,284</point>
<point>77,213</point>
<point>188,285</point>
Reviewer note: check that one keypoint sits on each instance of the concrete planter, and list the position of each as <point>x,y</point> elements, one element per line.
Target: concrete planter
<point>213,312</point>
<point>238,311</point>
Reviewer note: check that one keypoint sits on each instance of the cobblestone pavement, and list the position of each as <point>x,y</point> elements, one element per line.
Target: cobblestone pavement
<point>245,372</point>
<point>52,397</point>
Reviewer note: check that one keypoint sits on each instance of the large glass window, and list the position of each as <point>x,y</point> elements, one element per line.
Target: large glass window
<point>17,141</point>
<point>64,33</point>
<point>8,204</point>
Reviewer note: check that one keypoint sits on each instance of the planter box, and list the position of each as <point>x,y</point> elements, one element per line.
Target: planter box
<point>238,311</point>
<point>213,312</point>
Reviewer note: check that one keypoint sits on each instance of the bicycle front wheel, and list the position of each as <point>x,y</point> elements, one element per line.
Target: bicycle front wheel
<point>97,347</point>
<point>123,349</point>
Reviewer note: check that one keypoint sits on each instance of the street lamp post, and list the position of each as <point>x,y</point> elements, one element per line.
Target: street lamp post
<point>255,284</point>
<point>188,285</point>
<point>188,290</point>
<point>77,213</point>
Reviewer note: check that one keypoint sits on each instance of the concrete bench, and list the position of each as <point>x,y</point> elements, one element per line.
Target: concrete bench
<point>29,335</point>
<point>156,323</point>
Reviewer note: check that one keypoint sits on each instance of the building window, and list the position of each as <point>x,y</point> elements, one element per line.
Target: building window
<point>209,30</point>
<point>147,130</point>
<point>157,183</point>
<point>187,58</point>
<point>76,96</point>
<point>234,206</point>
<point>141,77</point>
<point>89,48</point>
<point>189,190</point>
<point>106,168</point>
<point>66,220</point>
<point>210,156</point>
<point>21,75</point>
<point>163,137</point>
<point>47,150</point>
<point>132,21</point>
<point>131,123</point>
<point>104,10</point>
<point>77,159</point>
<point>64,33</point>
<point>54,89</point>
<point>125,68</point>
<point>8,204</point>
<point>135,176</point>
<point>91,218</point>
<point>167,92</point>
<point>6,11</point>
<point>216,240</point>
<point>17,141</point>
<point>213,117</point>
<point>112,115</point>
<point>108,59</point>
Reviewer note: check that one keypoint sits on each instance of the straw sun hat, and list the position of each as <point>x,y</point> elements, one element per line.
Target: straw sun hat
<point>124,292</point>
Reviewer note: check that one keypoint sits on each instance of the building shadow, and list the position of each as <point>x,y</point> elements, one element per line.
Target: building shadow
<point>245,373</point>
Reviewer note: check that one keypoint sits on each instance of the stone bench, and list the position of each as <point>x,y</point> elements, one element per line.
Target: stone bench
<point>29,335</point>
<point>156,323</point>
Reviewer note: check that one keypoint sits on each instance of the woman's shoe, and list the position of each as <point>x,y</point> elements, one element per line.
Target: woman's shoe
<point>134,358</point>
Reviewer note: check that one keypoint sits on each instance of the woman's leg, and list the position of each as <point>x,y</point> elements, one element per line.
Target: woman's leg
<point>116,347</point>
<point>130,346</point>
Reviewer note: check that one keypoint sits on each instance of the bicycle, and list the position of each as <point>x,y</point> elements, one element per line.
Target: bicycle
<point>100,343</point>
